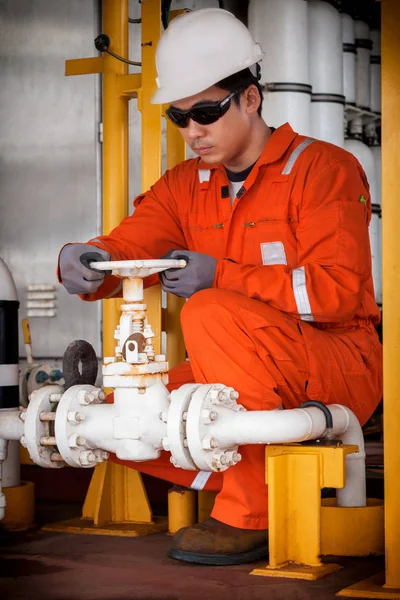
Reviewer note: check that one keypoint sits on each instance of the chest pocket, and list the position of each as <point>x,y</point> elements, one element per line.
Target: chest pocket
<point>271,239</point>
<point>205,233</point>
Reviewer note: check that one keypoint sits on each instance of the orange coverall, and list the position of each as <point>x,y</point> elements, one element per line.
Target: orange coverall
<point>291,312</point>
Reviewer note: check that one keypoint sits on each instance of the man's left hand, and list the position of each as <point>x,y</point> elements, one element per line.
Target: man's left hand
<point>197,275</point>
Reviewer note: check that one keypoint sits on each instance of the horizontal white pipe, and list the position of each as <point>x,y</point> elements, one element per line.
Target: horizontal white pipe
<point>297,425</point>
<point>11,426</point>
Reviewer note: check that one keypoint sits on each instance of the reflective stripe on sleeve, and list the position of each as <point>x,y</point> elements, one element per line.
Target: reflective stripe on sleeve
<point>301,295</point>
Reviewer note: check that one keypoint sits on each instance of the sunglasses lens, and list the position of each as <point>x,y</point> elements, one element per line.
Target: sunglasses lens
<point>177,118</point>
<point>205,116</point>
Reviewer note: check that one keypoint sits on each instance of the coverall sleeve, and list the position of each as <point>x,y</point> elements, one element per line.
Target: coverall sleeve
<point>152,230</point>
<point>334,257</point>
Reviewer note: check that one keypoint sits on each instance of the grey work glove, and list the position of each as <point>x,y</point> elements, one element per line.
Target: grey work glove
<point>76,275</point>
<point>197,275</point>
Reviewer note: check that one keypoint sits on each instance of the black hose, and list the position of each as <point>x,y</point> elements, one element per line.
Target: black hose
<point>324,408</point>
<point>165,9</point>
<point>79,352</point>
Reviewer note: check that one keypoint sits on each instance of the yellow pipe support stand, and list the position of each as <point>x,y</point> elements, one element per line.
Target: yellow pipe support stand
<point>20,507</point>
<point>295,475</point>
<point>181,508</point>
<point>205,504</point>
<point>387,585</point>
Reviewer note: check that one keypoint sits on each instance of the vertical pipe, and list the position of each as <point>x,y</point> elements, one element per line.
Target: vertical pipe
<point>115,143</point>
<point>176,353</point>
<point>151,134</point>
<point>391,281</point>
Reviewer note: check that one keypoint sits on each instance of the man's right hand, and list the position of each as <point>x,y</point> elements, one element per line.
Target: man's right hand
<point>76,275</point>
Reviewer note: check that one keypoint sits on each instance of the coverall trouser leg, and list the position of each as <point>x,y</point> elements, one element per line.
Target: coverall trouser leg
<point>261,352</point>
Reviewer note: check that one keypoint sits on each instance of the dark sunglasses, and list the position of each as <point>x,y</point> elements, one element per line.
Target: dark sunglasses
<point>205,114</point>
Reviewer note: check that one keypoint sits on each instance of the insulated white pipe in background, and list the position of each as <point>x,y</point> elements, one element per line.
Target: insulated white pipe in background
<point>281,28</point>
<point>325,47</point>
<point>349,59</point>
<point>363,44</point>
<point>375,71</point>
<point>370,162</point>
<point>362,152</point>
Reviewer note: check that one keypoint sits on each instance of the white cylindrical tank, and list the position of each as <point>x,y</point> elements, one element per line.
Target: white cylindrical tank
<point>9,384</point>
<point>366,158</point>
<point>325,50</point>
<point>349,59</point>
<point>375,75</point>
<point>9,380</point>
<point>363,44</point>
<point>281,30</point>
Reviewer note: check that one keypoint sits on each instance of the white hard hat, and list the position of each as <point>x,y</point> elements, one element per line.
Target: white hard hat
<point>199,49</point>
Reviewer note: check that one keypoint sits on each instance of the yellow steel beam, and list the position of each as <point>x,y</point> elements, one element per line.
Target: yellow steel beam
<point>84,66</point>
<point>151,134</point>
<point>130,85</point>
<point>387,585</point>
<point>115,143</point>
<point>391,281</point>
<point>176,353</point>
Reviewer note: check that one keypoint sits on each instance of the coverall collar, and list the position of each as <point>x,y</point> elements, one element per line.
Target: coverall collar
<point>274,148</point>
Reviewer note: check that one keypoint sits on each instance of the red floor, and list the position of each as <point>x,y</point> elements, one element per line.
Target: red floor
<point>46,566</point>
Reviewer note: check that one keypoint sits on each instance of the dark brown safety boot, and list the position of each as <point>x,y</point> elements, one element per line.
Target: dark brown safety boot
<point>215,543</point>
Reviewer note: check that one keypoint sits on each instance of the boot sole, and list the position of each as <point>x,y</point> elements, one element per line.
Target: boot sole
<point>220,560</point>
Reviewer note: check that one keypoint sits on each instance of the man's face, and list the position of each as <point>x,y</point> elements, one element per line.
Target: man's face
<point>221,141</point>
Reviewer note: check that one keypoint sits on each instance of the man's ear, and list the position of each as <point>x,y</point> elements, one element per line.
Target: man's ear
<point>252,99</point>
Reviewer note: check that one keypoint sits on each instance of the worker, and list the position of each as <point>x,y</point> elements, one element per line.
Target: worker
<point>274,228</point>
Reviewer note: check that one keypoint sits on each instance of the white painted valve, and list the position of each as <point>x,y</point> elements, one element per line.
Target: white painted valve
<point>138,268</point>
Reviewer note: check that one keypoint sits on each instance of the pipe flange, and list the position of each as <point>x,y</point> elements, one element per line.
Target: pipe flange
<point>208,403</point>
<point>70,413</point>
<point>42,400</point>
<point>176,441</point>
